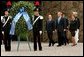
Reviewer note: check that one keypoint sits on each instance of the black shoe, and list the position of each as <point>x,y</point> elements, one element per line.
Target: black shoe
<point>53,44</point>
<point>7,49</point>
<point>40,49</point>
<point>58,45</point>
<point>35,50</point>
<point>49,44</point>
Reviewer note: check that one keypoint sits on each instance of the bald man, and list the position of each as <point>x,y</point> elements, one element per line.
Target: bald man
<point>50,29</point>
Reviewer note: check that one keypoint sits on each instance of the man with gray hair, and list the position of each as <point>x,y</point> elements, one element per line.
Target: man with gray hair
<point>60,25</point>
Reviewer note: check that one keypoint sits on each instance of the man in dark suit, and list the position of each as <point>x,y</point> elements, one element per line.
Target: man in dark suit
<point>37,29</point>
<point>50,29</point>
<point>60,27</point>
<point>65,40</point>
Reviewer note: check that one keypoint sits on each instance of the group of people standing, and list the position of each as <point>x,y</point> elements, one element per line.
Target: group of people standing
<point>8,28</point>
<point>60,24</point>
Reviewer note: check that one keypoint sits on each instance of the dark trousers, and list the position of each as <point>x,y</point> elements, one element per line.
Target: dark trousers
<point>60,37</point>
<point>1,38</point>
<point>7,42</point>
<point>50,34</point>
<point>37,39</point>
<point>64,38</point>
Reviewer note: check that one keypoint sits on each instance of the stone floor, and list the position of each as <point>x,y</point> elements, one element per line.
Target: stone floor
<point>24,50</point>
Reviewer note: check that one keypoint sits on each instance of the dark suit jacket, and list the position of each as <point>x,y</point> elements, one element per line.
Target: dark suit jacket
<point>7,27</point>
<point>62,24</point>
<point>38,25</point>
<point>50,26</point>
<point>67,22</point>
<point>73,25</point>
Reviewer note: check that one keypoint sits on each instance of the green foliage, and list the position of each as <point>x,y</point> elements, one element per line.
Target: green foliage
<point>21,27</point>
